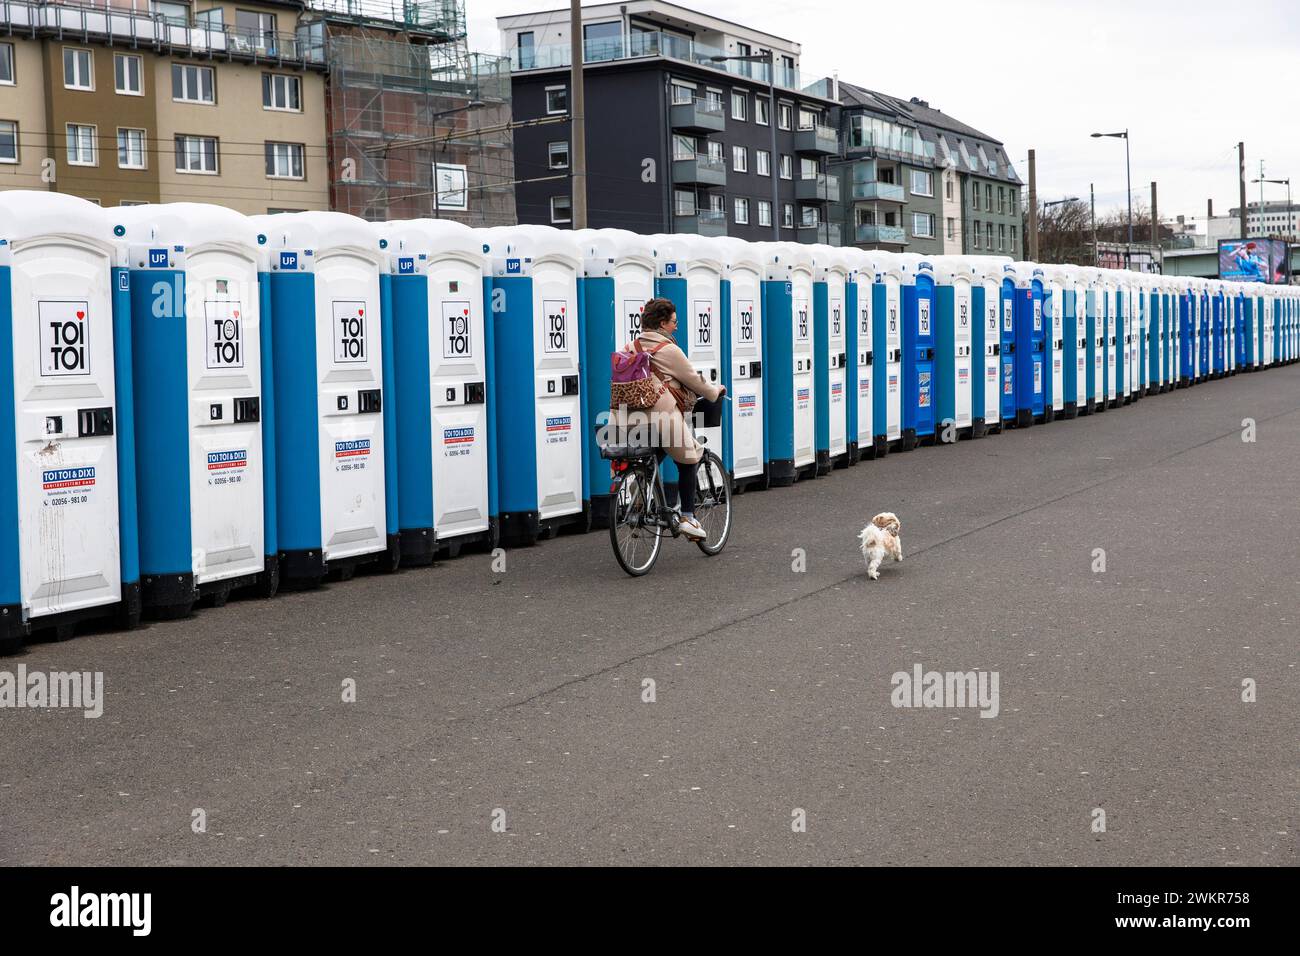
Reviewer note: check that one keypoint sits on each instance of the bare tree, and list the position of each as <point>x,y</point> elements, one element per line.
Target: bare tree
<point>1065,230</point>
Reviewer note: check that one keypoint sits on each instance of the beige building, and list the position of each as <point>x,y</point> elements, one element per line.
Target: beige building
<point>164,101</point>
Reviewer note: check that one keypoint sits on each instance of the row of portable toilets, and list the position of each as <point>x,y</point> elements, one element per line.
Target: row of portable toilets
<point>203,402</point>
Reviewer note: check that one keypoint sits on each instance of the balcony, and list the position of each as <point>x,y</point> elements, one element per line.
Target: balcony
<point>818,140</point>
<point>881,234</point>
<point>699,170</point>
<point>822,233</point>
<point>697,116</point>
<point>823,188</point>
<point>878,192</point>
<point>703,222</point>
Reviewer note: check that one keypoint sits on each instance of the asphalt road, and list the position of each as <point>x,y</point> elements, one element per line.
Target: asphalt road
<point>522,692</point>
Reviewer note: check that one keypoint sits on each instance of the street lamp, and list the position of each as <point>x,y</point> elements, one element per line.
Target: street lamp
<point>774,162</point>
<point>1280,182</point>
<point>1128,175</point>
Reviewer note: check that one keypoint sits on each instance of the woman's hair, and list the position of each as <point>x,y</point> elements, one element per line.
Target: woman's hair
<point>656,313</point>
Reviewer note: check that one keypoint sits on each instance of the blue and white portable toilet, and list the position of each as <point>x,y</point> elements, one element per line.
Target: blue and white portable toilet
<point>1237,350</point>
<point>441,388</point>
<point>955,320</point>
<point>204,420</point>
<point>788,348</point>
<point>1007,304</point>
<point>860,375</point>
<point>1187,306</point>
<point>1218,329</point>
<point>336,467</point>
<point>831,358</point>
<point>1108,293</point>
<point>1030,342</point>
<point>1270,324</point>
<point>541,409</point>
<point>1054,348</point>
<point>68,547</point>
<point>618,279</point>
<point>1127,297</point>
<point>1206,328</point>
<point>1074,359</point>
<point>1151,310</point>
<point>887,336</point>
<point>986,343</point>
<point>1094,331</point>
<point>1171,315</point>
<point>742,325</point>
<point>918,293</point>
<point>699,323</point>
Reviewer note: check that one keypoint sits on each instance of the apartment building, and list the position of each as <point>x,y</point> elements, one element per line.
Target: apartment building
<point>690,121</point>
<point>133,101</point>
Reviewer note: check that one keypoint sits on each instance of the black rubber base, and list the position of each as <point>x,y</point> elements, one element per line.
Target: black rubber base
<point>781,472</point>
<point>881,443</point>
<point>908,441</point>
<point>302,564</point>
<point>1071,410</point>
<point>978,429</point>
<point>417,546</point>
<point>1049,414</point>
<point>759,482</point>
<point>168,596</point>
<point>452,547</point>
<point>519,528</point>
<point>822,462</point>
<point>1024,418</point>
<point>853,456</point>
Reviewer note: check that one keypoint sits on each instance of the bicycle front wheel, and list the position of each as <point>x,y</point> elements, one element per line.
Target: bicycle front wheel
<point>633,530</point>
<point>713,503</point>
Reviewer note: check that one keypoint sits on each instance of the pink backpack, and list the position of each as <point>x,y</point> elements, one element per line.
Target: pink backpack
<point>632,382</point>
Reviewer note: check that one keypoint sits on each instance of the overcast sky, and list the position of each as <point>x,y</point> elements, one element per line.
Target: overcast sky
<point>1189,79</point>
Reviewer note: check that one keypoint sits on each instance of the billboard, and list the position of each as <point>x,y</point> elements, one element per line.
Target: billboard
<point>1254,260</point>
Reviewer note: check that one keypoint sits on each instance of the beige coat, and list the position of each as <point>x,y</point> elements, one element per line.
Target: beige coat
<point>671,364</point>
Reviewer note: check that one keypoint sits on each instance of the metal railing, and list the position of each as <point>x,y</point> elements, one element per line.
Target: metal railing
<point>873,233</point>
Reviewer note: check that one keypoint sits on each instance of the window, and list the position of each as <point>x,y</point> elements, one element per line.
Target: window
<point>683,146</point>
<point>808,119</point>
<point>787,166</point>
<point>765,212</point>
<point>952,228</point>
<point>739,159</point>
<point>281,92</point>
<point>922,182</point>
<point>762,111</point>
<point>193,84</point>
<point>784,115</point>
<point>713,100</point>
<point>131,149</point>
<point>716,205</point>
<point>988,197</point>
<point>78,69</point>
<point>6,64</point>
<point>683,93</point>
<point>923,225</point>
<point>809,216</point>
<point>557,100</point>
<point>714,150</point>
<point>558,154</point>
<point>561,209</point>
<point>81,145</point>
<point>742,211</point>
<point>8,141</point>
<point>284,160</point>
<point>787,215</point>
<point>808,168</point>
<point>256,29</point>
<point>1014,247</point>
<point>947,188</point>
<point>174,13</point>
<point>132,202</point>
<point>1015,201</point>
<point>1002,199</point>
<point>739,105</point>
<point>527,43</point>
<point>975,235</point>
<point>1002,236</point>
<point>683,202</point>
<point>196,154</point>
<point>988,235</point>
<point>128,76</point>
<point>974,195</point>
<point>763,162</point>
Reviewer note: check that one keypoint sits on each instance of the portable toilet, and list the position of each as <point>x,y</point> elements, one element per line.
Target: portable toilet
<point>1205,326</point>
<point>618,273</point>
<point>1172,322</point>
<point>204,418</point>
<point>1054,348</point>
<point>1074,302</point>
<point>862,357</point>
<point>69,547</point>
<point>1030,342</point>
<point>698,298</point>
<point>1270,324</point>
<point>742,326</point>
<point>986,344</point>
<point>954,332</point>
<point>336,468</point>
<point>918,298</point>
<point>1187,304</point>
<point>442,390</point>
<point>887,337</point>
<point>830,357</point>
<point>788,349</point>
<point>1007,299</point>
<point>1108,308</point>
<point>1090,307</point>
<point>1237,326</point>
<point>1138,324</point>
<point>1129,330</point>
<point>1151,309</point>
<point>541,409</point>
<point>1219,357</point>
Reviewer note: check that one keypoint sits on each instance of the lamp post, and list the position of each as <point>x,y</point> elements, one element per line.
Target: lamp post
<point>774,162</point>
<point>1128,176</point>
<point>1279,182</point>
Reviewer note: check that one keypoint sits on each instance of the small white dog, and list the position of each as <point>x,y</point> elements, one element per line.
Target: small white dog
<point>879,539</point>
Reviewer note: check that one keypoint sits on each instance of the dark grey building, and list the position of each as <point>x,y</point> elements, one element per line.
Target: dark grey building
<point>679,139</point>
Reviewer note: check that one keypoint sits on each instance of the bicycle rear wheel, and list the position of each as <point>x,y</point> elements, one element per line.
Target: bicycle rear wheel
<point>713,503</point>
<point>635,506</point>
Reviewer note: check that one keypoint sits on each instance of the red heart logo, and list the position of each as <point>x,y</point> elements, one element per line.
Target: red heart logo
<point>466,311</point>
<point>236,313</point>
<point>561,310</point>
<point>81,315</point>
<point>361,311</point>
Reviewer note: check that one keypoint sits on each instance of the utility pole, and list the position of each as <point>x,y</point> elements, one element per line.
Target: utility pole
<point>577,119</point>
<point>1261,198</point>
<point>1155,226</point>
<point>1092,195</point>
<point>1241,172</point>
<point>1033,209</point>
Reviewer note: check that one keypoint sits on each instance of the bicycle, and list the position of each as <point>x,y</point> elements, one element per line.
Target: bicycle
<point>640,517</point>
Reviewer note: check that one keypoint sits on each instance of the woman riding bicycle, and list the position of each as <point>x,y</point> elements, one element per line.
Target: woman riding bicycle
<point>682,386</point>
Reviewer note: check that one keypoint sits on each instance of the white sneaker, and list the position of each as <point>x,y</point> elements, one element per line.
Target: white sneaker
<point>691,528</point>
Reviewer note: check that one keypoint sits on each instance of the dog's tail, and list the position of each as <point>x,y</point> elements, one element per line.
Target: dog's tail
<point>864,533</point>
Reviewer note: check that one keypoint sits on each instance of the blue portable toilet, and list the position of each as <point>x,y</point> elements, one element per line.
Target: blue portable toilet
<point>1054,348</point>
<point>742,325</point>
<point>1030,342</point>
<point>955,321</point>
<point>699,325</point>
<point>918,295</point>
<point>443,429</point>
<point>1132,324</point>
<point>1075,355</point>
<point>1007,297</point>
<point>68,544</point>
<point>1108,309</point>
<point>1268,356</point>
<point>1172,322</point>
<point>986,343</point>
<point>1237,350</point>
<point>1187,303</point>
<point>1151,306</point>
<point>618,275</point>
<point>1218,308</point>
<point>541,409</point>
<point>830,357</point>
<point>887,336</point>
<point>1202,292</point>
<point>1089,306</point>
<point>331,347</point>
<point>1118,303</point>
<point>788,349</point>
<point>861,373</point>
<point>204,413</point>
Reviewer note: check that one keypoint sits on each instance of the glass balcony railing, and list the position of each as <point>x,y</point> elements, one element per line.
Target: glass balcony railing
<point>873,233</point>
<point>703,222</point>
<point>876,191</point>
<point>821,188</point>
<point>824,233</point>
<point>701,168</point>
<point>654,43</point>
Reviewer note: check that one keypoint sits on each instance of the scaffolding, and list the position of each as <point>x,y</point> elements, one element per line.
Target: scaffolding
<point>418,125</point>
